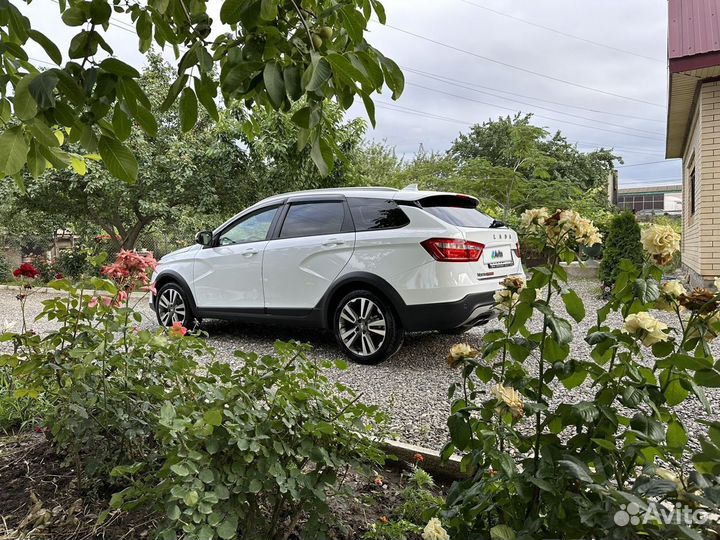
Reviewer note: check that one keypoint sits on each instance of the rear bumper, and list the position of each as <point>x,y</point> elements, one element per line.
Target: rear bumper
<point>473,309</point>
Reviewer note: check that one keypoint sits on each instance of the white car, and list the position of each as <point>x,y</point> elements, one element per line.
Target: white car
<point>369,264</point>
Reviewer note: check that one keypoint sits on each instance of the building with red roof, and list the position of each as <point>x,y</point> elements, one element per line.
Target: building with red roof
<point>693,128</point>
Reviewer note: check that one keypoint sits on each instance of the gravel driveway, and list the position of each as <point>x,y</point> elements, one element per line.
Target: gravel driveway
<point>411,386</point>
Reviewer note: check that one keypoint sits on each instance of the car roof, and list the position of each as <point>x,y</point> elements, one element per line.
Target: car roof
<point>410,193</point>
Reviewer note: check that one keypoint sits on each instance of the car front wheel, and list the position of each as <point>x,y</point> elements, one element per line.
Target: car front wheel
<point>366,328</point>
<point>172,306</point>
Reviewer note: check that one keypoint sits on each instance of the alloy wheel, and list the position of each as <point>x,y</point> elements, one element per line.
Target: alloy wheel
<point>362,326</point>
<point>171,307</point>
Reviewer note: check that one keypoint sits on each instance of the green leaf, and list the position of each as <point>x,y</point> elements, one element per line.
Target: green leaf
<point>321,73</point>
<point>35,161</point>
<point>205,96</point>
<point>144,117</point>
<point>308,117</point>
<point>228,528</point>
<point>647,290</point>
<point>268,10</point>
<point>460,431</point>
<point>574,305</point>
<point>322,156</point>
<point>42,132</point>
<point>180,469</point>
<point>502,532</point>
<point>24,105</point>
<point>345,71</point>
<point>231,11</point>
<point>118,159</point>
<point>191,498</point>
<point>41,89</point>
<point>576,469</point>
<point>255,486</point>
<point>188,109</point>
<point>674,392</point>
<point>394,77</point>
<point>292,77</point>
<point>121,123</point>
<point>13,151</point>
<point>120,68</point>
<point>172,512</point>
<point>213,417</point>
<point>649,427</point>
<point>74,16</point>
<point>274,84</point>
<point>48,46</point>
<point>369,107</point>
<point>175,88</point>
<point>676,436</point>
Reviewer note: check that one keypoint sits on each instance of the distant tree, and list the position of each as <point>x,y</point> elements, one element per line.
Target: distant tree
<point>374,164</point>
<point>622,242</point>
<point>198,171</point>
<point>511,164</point>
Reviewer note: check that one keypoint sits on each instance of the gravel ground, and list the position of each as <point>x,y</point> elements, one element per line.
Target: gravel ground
<point>411,386</point>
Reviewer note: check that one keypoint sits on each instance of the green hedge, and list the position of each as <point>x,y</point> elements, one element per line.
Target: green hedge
<point>623,242</point>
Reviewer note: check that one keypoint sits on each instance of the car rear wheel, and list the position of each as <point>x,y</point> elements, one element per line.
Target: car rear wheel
<point>172,306</point>
<point>366,327</point>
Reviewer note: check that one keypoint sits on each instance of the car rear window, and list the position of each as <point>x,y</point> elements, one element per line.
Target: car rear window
<point>456,210</point>
<point>376,214</point>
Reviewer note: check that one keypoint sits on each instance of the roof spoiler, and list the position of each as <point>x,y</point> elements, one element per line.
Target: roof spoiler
<point>410,187</point>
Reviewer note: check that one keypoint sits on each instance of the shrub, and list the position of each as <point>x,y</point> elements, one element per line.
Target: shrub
<point>5,270</point>
<point>544,465</point>
<point>622,242</point>
<point>73,264</point>
<point>251,452</point>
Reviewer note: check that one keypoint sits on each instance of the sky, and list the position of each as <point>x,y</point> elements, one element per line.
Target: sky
<point>594,69</point>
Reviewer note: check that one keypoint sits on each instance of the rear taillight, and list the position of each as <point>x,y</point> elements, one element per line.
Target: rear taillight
<point>453,250</point>
<point>518,252</point>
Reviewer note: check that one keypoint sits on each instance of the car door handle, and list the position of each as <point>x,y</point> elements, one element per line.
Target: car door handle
<point>250,252</point>
<point>333,242</point>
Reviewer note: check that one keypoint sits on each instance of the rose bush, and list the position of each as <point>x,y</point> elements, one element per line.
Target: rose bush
<point>218,452</point>
<point>542,465</point>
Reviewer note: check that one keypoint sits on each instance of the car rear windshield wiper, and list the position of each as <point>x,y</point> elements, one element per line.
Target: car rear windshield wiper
<point>496,224</point>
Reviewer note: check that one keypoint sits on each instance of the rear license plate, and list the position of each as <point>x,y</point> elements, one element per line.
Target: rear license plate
<point>497,256</point>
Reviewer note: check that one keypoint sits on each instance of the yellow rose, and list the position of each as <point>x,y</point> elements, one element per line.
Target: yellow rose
<point>459,352</point>
<point>505,299</point>
<point>669,299</point>
<point>673,288</point>
<point>532,218</point>
<point>511,398</point>
<point>647,327</point>
<point>660,241</point>
<point>435,531</point>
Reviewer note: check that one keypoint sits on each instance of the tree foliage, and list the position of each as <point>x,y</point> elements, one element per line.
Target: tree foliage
<point>267,54</point>
<point>623,242</point>
<point>194,172</point>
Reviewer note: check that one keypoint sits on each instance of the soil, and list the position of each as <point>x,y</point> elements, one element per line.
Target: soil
<point>40,499</point>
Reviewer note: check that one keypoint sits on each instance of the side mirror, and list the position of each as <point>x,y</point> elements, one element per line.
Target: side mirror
<point>204,238</point>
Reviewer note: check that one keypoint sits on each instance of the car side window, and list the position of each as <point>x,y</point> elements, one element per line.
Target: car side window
<point>253,228</point>
<point>313,218</point>
<point>374,214</point>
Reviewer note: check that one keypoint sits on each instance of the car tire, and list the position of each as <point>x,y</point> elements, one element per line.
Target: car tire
<point>366,327</point>
<point>172,305</point>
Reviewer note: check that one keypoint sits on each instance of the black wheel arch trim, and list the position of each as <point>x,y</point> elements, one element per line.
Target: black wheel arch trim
<point>391,295</point>
<point>172,276</point>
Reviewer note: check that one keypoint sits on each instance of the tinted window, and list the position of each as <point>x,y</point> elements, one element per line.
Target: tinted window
<point>459,211</point>
<point>253,228</point>
<point>310,219</point>
<point>372,214</point>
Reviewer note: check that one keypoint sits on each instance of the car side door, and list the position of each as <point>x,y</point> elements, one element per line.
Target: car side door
<point>315,240</point>
<point>228,274</point>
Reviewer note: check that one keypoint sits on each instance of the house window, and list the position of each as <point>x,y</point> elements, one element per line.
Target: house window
<point>691,185</point>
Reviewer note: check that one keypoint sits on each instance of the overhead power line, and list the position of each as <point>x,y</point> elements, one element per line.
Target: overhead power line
<point>519,68</point>
<point>549,117</point>
<point>647,163</point>
<point>566,34</point>
<point>472,86</point>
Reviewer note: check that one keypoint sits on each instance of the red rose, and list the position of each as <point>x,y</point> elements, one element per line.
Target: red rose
<point>26,270</point>
<point>59,276</point>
